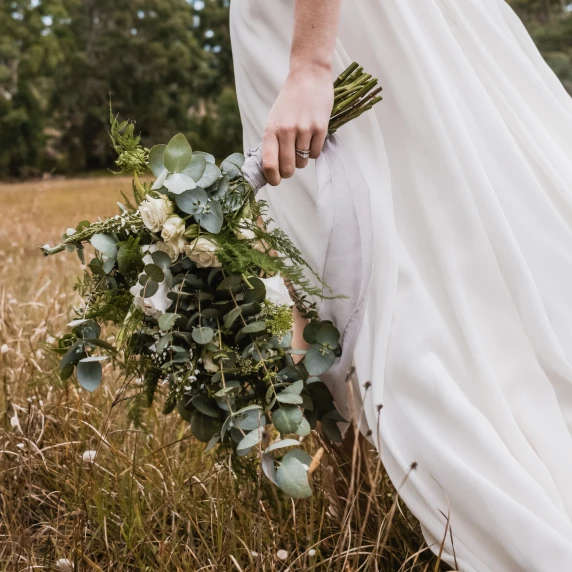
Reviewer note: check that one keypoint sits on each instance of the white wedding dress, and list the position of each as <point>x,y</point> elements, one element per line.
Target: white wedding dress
<point>467,336</point>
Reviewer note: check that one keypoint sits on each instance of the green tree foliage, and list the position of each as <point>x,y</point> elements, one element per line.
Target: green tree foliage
<point>550,23</point>
<point>165,63</point>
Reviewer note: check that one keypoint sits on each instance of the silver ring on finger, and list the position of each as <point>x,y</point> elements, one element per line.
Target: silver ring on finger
<point>303,154</point>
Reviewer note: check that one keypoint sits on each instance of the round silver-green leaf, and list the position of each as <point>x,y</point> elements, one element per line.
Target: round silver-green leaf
<point>292,478</point>
<point>89,374</point>
<point>156,161</point>
<point>178,154</point>
<point>203,335</point>
<point>287,419</point>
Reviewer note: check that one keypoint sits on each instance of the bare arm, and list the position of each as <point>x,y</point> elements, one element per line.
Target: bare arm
<point>299,117</point>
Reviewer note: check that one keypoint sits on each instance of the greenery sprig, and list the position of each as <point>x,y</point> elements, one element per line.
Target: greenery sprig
<point>195,289</point>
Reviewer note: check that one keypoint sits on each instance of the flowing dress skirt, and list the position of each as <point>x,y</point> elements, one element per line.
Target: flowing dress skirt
<point>467,338</point>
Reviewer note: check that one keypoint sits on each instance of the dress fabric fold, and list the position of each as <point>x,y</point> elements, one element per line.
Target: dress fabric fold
<point>466,329</point>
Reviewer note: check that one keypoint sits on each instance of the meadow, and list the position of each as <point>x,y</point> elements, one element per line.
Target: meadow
<point>81,488</point>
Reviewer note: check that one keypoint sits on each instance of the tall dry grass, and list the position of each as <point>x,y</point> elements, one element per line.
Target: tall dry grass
<point>149,499</point>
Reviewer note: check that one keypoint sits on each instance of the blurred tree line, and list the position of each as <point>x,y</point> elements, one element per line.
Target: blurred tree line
<point>165,63</point>
<point>550,24</point>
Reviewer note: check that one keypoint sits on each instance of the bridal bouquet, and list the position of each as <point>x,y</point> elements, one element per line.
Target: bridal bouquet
<point>191,288</point>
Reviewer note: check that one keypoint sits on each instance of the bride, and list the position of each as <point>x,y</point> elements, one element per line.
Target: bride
<point>464,358</point>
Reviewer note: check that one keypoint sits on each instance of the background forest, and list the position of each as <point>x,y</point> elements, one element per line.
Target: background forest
<point>165,63</point>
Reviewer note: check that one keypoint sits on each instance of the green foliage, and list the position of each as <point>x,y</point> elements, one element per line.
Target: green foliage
<point>61,60</point>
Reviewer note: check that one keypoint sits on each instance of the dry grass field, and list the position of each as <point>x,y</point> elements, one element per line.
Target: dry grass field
<point>149,500</point>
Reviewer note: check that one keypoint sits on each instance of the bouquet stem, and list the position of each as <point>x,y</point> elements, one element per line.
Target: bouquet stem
<point>355,92</point>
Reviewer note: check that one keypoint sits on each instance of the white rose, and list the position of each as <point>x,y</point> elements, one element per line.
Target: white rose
<point>155,212</point>
<point>173,248</point>
<point>203,252</point>
<point>173,229</point>
<point>276,291</point>
<point>158,304</point>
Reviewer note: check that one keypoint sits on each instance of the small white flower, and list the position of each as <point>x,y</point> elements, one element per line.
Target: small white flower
<point>282,555</point>
<point>64,564</point>
<point>4,349</point>
<point>202,251</point>
<point>88,456</point>
<point>276,291</point>
<point>173,229</point>
<point>155,212</point>
<point>311,552</point>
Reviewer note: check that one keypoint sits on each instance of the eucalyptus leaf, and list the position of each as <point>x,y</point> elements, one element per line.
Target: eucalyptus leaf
<point>295,387</point>
<point>196,167</point>
<point>186,414</point>
<point>254,327</point>
<point>211,444</point>
<point>154,272</point>
<point>301,455</point>
<point>156,161</point>
<point>249,420</point>
<point>163,343</point>
<point>160,180</point>
<point>203,427</point>
<point>210,175</point>
<point>232,165</point>
<point>268,467</point>
<point>150,289</point>
<point>231,389</point>
<point>203,335</point>
<point>192,201</point>
<point>287,418</point>
<point>208,157</point>
<point>205,405</point>
<point>221,188</point>
<point>328,335</point>
<point>231,317</point>
<point>310,332</point>
<point>178,154</point>
<point>319,359</point>
<point>105,243</point>
<point>282,444</point>
<point>89,374</point>
<point>304,428</point>
<point>75,353</point>
<point>331,430</point>
<point>161,259</point>
<point>108,265</point>
<point>167,321</point>
<point>211,219</point>
<point>292,478</point>
<point>178,183</point>
<point>292,398</point>
<point>250,441</point>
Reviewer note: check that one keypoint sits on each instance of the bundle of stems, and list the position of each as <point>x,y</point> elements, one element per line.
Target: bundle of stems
<point>355,92</point>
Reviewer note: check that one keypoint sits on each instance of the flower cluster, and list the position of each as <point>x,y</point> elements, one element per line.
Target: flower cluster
<point>196,288</point>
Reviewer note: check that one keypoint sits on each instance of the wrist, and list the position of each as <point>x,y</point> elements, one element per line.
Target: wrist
<point>309,67</point>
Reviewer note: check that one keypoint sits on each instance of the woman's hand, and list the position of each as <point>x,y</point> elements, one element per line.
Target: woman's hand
<point>298,120</point>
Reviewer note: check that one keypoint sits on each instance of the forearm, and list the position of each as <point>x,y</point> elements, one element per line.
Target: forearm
<point>314,36</point>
